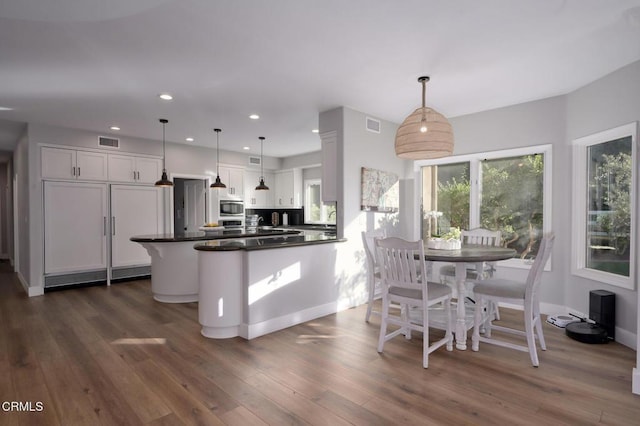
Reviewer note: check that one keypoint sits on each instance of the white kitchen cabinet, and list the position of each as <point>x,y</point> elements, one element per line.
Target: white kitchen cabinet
<point>132,169</point>
<point>135,210</point>
<point>75,226</point>
<point>233,178</point>
<point>288,188</point>
<point>63,163</point>
<point>329,166</point>
<point>258,199</point>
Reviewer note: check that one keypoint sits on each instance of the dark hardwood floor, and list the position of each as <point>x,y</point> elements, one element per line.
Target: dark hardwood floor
<point>112,355</point>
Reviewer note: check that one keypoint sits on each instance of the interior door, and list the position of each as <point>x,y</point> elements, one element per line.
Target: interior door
<point>135,210</point>
<point>195,205</point>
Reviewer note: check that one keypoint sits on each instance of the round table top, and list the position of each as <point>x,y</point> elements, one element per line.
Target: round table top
<point>470,253</point>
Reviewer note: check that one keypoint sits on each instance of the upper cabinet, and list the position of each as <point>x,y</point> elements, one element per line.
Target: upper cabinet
<point>62,163</point>
<point>233,178</point>
<point>132,169</point>
<point>258,199</point>
<point>329,166</point>
<point>288,188</point>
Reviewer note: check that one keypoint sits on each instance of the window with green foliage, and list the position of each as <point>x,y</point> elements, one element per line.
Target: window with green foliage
<point>502,191</point>
<point>315,211</point>
<point>603,201</point>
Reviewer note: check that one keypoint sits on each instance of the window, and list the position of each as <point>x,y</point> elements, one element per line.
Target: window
<point>315,211</point>
<point>603,206</point>
<point>506,190</point>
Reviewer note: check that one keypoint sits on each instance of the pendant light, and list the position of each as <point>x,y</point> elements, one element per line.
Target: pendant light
<point>218,183</point>
<point>425,134</point>
<point>261,186</point>
<point>164,180</point>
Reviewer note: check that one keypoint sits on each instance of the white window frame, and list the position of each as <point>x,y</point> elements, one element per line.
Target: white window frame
<point>475,171</point>
<point>580,207</point>
<point>307,211</point>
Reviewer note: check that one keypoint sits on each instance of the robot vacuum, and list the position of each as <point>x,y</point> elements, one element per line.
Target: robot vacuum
<point>587,332</point>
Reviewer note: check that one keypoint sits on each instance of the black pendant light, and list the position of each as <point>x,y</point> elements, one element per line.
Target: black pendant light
<point>218,183</point>
<point>164,180</point>
<point>261,186</point>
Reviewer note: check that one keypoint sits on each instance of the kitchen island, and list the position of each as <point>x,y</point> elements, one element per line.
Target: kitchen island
<point>251,287</point>
<point>174,264</point>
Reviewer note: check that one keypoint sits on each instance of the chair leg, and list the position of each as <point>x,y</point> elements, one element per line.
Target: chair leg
<point>477,323</point>
<point>496,311</point>
<point>425,336</point>
<point>404,314</point>
<point>529,330</point>
<point>372,290</point>
<point>383,323</point>
<point>538,326</point>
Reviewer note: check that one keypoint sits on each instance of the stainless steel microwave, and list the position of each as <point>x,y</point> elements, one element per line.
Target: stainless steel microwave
<point>231,208</point>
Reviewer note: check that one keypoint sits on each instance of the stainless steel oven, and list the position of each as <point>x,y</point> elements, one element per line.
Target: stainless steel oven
<point>231,208</point>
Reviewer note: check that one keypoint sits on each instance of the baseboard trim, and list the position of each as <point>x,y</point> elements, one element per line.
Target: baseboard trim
<point>31,291</point>
<point>635,380</point>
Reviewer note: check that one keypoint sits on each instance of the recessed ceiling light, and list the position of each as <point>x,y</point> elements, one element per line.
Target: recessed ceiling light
<point>114,128</point>
<point>246,148</point>
<point>254,116</point>
<point>165,96</point>
<point>315,131</point>
<point>5,108</point>
<point>189,139</point>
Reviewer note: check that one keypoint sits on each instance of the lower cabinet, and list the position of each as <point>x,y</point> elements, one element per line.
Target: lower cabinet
<point>135,210</point>
<point>84,222</point>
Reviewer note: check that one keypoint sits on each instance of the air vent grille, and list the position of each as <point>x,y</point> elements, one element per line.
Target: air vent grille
<point>373,125</point>
<point>254,161</point>
<point>109,142</point>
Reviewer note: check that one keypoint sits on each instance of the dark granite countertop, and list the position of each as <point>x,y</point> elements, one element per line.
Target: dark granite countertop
<point>222,234</point>
<point>266,242</point>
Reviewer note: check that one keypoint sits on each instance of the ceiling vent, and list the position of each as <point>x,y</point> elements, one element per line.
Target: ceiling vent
<point>373,125</point>
<point>109,142</point>
<point>255,161</point>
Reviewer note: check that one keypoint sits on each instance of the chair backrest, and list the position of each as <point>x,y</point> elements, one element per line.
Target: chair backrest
<point>369,247</point>
<point>481,236</point>
<point>401,262</point>
<point>535,273</point>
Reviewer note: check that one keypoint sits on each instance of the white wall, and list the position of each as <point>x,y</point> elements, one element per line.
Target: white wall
<point>609,102</point>
<point>359,148</point>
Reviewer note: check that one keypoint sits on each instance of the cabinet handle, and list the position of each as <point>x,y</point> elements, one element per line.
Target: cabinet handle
<point>73,172</point>
<point>138,173</point>
<point>291,200</point>
<point>104,226</point>
<point>134,175</point>
<point>113,225</point>
<point>78,171</point>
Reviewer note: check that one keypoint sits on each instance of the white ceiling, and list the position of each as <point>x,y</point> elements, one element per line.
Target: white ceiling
<point>90,64</point>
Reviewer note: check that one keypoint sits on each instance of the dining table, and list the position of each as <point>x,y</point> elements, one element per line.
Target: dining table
<point>476,254</point>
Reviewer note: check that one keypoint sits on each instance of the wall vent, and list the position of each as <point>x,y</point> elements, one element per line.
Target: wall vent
<point>373,125</point>
<point>255,161</point>
<point>109,142</point>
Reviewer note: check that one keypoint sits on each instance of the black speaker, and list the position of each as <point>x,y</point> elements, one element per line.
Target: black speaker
<point>602,309</point>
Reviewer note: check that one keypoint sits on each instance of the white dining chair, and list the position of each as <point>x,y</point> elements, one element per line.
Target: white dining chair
<point>474,271</point>
<point>402,269</point>
<point>492,291</point>
<point>373,272</point>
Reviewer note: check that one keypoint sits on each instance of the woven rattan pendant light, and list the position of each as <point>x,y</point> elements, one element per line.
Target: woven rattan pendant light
<point>425,134</point>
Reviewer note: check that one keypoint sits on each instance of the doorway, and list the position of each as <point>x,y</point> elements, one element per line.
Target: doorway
<point>190,200</point>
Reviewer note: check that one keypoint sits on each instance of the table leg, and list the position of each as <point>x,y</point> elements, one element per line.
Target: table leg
<point>460,325</point>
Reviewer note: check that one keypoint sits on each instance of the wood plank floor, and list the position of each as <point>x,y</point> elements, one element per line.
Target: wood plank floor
<point>112,355</point>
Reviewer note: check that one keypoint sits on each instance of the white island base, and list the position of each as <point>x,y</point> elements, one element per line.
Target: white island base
<point>174,271</point>
<point>249,293</point>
